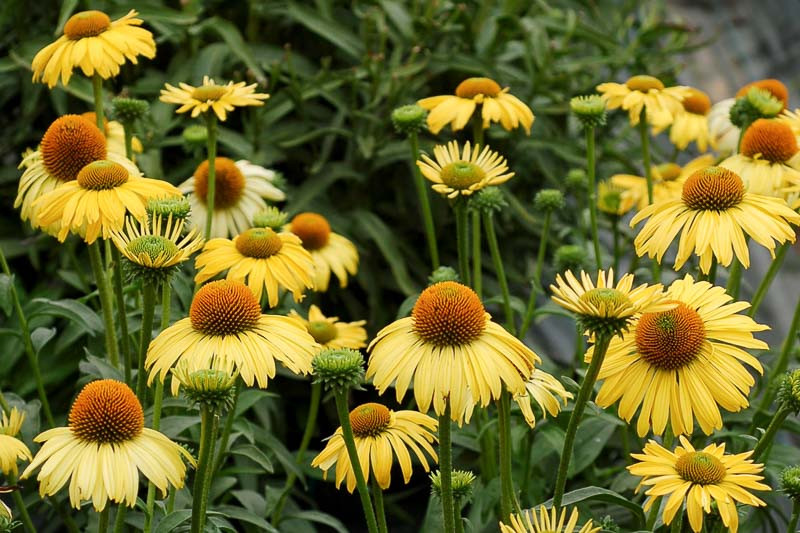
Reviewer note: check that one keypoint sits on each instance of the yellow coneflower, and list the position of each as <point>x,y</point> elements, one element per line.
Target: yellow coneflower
<point>497,105</point>
<point>330,251</point>
<point>661,103</point>
<point>96,202</point>
<point>542,520</point>
<point>615,200</point>
<point>103,449</point>
<point>156,244</point>
<point>698,479</point>
<point>96,44</point>
<point>240,190</point>
<point>263,259</point>
<point>115,134</point>
<point>329,332</point>
<point>225,330</point>
<point>668,180</point>
<point>691,125</point>
<point>457,172</point>
<point>209,96</point>
<point>546,391</point>
<point>450,348</point>
<point>712,215</point>
<point>380,435</point>
<point>11,448</point>
<point>681,364</point>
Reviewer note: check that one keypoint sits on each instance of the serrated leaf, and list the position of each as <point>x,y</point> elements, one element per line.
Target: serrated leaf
<point>70,309</point>
<point>256,455</point>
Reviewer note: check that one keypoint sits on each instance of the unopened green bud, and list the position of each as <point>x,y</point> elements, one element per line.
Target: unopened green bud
<point>129,110</point>
<point>209,387</point>
<point>271,217</point>
<point>590,110</point>
<point>789,391</point>
<point>195,135</point>
<point>488,200</point>
<point>443,273</point>
<point>790,482</point>
<point>179,208</point>
<point>338,369</point>
<point>570,257</point>
<point>409,119</point>
<point>576,180</point>
<point>549,200</point>
<point>461,484</point>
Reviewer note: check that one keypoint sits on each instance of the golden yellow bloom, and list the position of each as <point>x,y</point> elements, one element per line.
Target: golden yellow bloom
<point>330,333</point>
<point>668,180</point>
<point>691,125</point>
<point>209,96</point>
<point>156,243</point>
<point>225,330</point>
<point>69,144</point>
<point>698,479</point>
<point>614,199</point>
<point>712,215</point>
<point>661,103</point>
<point>464,172</point>
<point>263,259</point>
<point>380,434</point>
<point>451,349</point>
<point>115,134</point>
<point>768,158</point>
<point>96,202</point>
<point>542,520</point>
<point>330,251</point>
<point>680,364</point>
<point>546,390</point>
<point>497,105</point>
<point>11,448</point>
<point>94,43</point>
<point>240,191</point>
<point>103,449</point>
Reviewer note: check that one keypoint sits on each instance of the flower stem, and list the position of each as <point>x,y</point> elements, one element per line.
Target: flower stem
<point>119,520</point>
<point>446,470</point>
<point>526,467</point>
<point>537,275</point>
<point>424,202</point>
<point>648,174</point>
<point>33,357</point>
<point>769,435</point>
<point>462,239</point>
<point>477,130</point>
<point>780,365</point>
<point>491,239</point>
<point>592,194</point>
<point>201,482</point>
<point>106,302</point>
<point>477,278</point>
<point>311,421</point>
<point>506,481</point>
<point>734,279</point>
<point>126,127</point>
<point>652,516</point>
<point>792,525</point>
<point>122,315</point>
<point>587,387</point>
<point>148,311</point>
<point>355,464</point>
<point>226,430</point>
<point>211,146</point>
<point>102,522</point>
<point>377,497</point>
<point>97,90</point>
<point>27,523</point>
<point>763,287</point>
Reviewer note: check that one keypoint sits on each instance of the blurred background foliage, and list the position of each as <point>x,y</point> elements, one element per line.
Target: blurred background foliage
<point>335,70</point>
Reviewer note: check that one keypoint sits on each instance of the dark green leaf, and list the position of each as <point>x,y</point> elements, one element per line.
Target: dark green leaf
<point>320,518</point>
<point>70,309</point>
<point>6,299</point>
<point>602,495</point>
<point>254,454</point>
<point>170,522</point>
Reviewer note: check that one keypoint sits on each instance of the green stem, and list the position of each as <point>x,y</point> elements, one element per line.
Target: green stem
<point>27,523</point>
<point>537,275</point>
<point>69,523</point>
<point>33,357</point>
<point>592,194</point>
<point>126,127</point>
<point>308,432</point>
<point>487,443</point>
<point>780,365</point>
<point>122,315</point>
<point>102,522</point>
<point>119,521</point>
<point>766,439</point>
<point>355,464</point>
<point>477,278</point>
<point>506,480</point>
<point>763,287</point>
<point>477,130</point>
<point>587,387</point>
<point>677,523</point>
<point>97,89</point>
<point>200,488</point>
<point>148,312</point>
<point>497,260</point>
<point>446,470</point>
<point>211,147</point>
<point>377,497</point>
<point>424,203</point>
<point>462,239</point>
<point>226,430</point>
<point>106,302</point>
<point>792,525</point>
<point>734,279</point>
<point>652,516</point>
<point>526,467</point>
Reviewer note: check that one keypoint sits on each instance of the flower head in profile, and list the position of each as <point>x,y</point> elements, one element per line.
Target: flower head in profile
<point>691,125</point>
<point>712,215</point>
<point>497,105</point>
<point>211,97</point>
<point>225,330</point>
<point>546,391</point>
<point>698,479</point>
<point>684,363</point>
<point>96,44</point>
<point>240,191</point>
<point>329,332</point>
<point>543,520</point>
<point>457,172</point>
<point>450,348</point>
<point>661,104</point>
<point>381,435</point>
<point>330,251</point>
<point>104,448</point>
<point>11,448</point>
<point>667,179</point>
<point>96,202</point>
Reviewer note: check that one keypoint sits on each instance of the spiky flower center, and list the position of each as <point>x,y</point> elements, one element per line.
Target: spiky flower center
<point>322,331</point>
<point>644,83</point>
<point>313,229</point>
<point>669,340</point>
<point>697,102</point>
<point>102,175</point>
<point>206,93</point>
<point>69,144</point>
<point>701,468</point>
<point>259,243</point>
<point>224,308</point>
<point>370,419</point>
<point>713,188</point>
<point>772,139</point>
<point>472,87</point>
<point>773,86</point>
<point>229,183</point>
<point>448,314</point>
<point>461,174</point>
<point>153,246</point>
<point>86,24</point>
<point>604,297</point>
<point>669,171</point>
<point>106,411</point>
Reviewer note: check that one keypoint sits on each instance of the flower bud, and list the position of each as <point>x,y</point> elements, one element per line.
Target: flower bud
<point>549,200</point>
<point>271,217</point>
<point>338,369</point>
<point>409,119</point>
<point>129,110</point>
<point>590,110</point>
<point>443,273</point>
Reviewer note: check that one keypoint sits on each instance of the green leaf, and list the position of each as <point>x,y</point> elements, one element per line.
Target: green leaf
<point>285,458</point>
<point>334,32</point>
<point>243,515</point>
<point>6,299</point>
<point>173,520</point>
<point>256,455</point>
<point>320,518</point>
<point>384,239</point>
<point>399,16</point>
<point>601,495</point>
<point>97,367</point>
<point>593,434</point>
<point>40,337</point>
<point>70,309</point>
<point>230,34</point>
<point>67,7</point>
